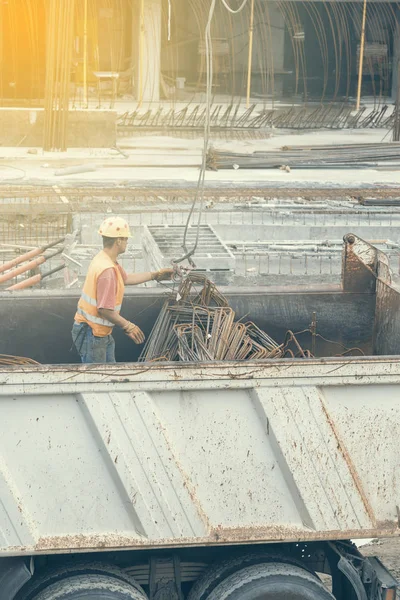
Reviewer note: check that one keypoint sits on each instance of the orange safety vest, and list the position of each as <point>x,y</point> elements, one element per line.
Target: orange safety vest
<point>87,306</point>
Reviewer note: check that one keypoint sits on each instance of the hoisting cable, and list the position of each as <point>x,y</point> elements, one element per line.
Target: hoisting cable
<point>207,127</point>
<point>233,11</point>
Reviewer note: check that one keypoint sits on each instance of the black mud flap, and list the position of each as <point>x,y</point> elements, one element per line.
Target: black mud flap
<point>14,573</point>
<point>368,578</point>
<point>353,577</point>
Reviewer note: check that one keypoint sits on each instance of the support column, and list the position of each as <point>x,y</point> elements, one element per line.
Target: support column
<point>148,71</point>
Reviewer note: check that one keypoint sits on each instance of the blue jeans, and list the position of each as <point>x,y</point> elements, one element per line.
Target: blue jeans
<point>91,348</point>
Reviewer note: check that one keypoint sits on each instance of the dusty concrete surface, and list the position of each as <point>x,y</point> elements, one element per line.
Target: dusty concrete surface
<point>158,159</point>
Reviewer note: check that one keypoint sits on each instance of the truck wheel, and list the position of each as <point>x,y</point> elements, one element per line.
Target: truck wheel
<point>221,570</point>
<point>90,587</point>
<point>271,581</point>
<point>69,569</point>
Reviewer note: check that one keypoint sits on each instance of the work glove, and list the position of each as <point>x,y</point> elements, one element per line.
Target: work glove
<point>163,275</point>
<point>134,332</point>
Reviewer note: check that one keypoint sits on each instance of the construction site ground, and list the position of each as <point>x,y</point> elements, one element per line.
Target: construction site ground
<point>284,227</point>
<point>152,160</point>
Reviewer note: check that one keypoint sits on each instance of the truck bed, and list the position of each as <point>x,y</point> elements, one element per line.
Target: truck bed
<point>159,455</point>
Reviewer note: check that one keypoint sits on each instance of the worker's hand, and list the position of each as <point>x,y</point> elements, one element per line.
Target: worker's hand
<point>134,332</point>
<point>163,275</point>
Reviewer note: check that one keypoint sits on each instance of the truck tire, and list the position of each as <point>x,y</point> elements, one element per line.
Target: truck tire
<point>221,570</point>
<point>90,587</point>
<point>70,568</point>
<point>271,581</point>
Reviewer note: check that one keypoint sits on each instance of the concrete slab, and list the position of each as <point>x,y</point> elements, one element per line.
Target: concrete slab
<point>156,161</point>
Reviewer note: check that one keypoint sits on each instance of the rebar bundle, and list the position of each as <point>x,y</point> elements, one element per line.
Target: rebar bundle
<point>312,157</point>
<point>60,36</point>
<point>208,295</point>
<point>9,360</point>
<point>200,326</point>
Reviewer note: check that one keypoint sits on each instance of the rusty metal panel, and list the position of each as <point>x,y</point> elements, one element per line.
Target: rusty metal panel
<point>386,338</point>
<point>128,456</point>
<point>359,265</point>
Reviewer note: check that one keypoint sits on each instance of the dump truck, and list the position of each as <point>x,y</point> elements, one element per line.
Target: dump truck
<point>204,481</point>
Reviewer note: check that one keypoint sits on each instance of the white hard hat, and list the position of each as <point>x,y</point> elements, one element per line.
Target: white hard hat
<point>115,227</point>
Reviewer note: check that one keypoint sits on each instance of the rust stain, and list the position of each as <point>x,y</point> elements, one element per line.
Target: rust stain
<point>217,536</point>
<point>345,453</point>
<point>359,265</point>
<point>186,479</point>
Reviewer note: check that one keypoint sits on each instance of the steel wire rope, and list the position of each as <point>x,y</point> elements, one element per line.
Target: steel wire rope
<point>232,60</point>
<point>201,181</point>
<point>15,169</point>
<point>294,20</point>
<point>377,28</point>
<point>234,11</point>
<point>263,63</point>
<point>290,22</point>
<point>323,44</point>
<point>271,54</point>
<point>303,62</point>
<point>344,40</point>
<point>372,28</point>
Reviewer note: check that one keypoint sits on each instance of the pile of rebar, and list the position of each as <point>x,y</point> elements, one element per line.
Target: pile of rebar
<point>309,157</point>
<point>202,327</point>
<point>7,360</point>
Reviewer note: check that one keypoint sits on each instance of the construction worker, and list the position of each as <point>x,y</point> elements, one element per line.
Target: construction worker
<point>102,295</point>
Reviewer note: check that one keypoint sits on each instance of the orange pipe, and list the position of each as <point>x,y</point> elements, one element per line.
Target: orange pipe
<point>26,283</point>
<point>22,258</point>
<point>22,269</point>
<point>35,279</point>
<point>27,256</point>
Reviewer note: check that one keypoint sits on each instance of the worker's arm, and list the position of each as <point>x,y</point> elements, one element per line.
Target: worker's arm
<point>112,316</point>
<point>131,330</point>
<point>137,278</point>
